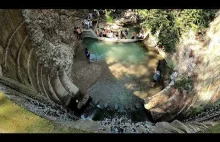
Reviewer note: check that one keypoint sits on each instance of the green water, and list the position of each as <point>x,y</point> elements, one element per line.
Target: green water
<point>113,90</point>
<point>119,52</point>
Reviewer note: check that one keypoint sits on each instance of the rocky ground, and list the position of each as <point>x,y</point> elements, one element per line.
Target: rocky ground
<point>124,125</point>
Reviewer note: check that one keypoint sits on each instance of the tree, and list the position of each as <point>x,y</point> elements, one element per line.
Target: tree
<point>175,22</point>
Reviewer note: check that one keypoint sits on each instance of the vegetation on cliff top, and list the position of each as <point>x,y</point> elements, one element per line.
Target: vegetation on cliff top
<point>172,23</point>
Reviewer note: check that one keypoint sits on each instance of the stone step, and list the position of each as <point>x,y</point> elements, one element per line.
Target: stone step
<point>9,43</point>
<point>31,78</point>
<point>58,87</point>
<point>18,62</point>
<point>203,125</point>
<point>89,33</point>
<point>181,126</point>
<point>42,79</point>
<point>192,127</point>
<point>37,78</point>
<point>67,84</point>
<point>83,101</point>
<point>52,93</point>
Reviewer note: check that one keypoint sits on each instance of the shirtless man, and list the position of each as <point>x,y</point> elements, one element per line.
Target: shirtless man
<point>79,33</point>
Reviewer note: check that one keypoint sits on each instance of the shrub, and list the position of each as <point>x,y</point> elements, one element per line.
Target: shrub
<point>184,83</point>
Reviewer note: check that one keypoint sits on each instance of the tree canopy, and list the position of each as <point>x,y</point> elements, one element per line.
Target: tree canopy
<point>174,22</point>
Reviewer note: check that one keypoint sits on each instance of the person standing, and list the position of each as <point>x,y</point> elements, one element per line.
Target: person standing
<point>133,35</point>
<point>86,23</point>
<point>90,16</point>
<point>123,34</point>
<point>79,33</point>
<point>87,53</point>
<point>126,32</point>
<point>156,77</point>
<point>97,13</point>
<point>90,23</point>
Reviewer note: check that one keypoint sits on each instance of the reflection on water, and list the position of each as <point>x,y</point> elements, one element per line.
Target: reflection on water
<point>119,52</point>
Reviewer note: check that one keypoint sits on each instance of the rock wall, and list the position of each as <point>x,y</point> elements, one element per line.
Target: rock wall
<point>29,60</point>
<point>195,60</point>
<point>199,60</point>
<point>16,49</point>
<point>52,34</point>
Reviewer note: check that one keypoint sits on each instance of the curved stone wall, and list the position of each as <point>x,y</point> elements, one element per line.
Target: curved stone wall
<point>19,62</point>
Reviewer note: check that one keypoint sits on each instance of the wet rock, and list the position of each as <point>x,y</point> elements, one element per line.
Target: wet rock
<point>133,130</point>
<point>121,130</point>
<point>137,124</point>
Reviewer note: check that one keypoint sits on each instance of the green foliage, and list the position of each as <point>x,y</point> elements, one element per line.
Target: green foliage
<point>108,16</point>
<point>170,64</point>
<point>195,111</point>
<point>174,22</point>
<point>185,83</point>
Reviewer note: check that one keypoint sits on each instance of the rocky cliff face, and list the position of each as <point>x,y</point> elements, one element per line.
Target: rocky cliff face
<point>199,60</point>
<point>197,86</point>
<point>51,31</point>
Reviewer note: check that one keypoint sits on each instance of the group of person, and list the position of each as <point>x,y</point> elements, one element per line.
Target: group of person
<point>94,14</point>
<point>106,33</point>
<point>138,36</point>
<point>123,34</point>
<point>87,23</point>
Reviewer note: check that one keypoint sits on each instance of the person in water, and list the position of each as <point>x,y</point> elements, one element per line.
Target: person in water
<point>133,35</point>
<point>87,53</point>
<point>111,34</point>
